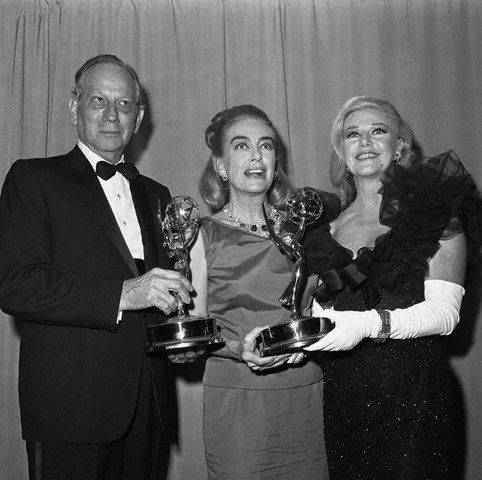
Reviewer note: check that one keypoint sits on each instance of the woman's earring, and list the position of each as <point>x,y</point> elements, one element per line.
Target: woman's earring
<point>223,176</point>
<point>347,173</point>
<point>397,157</point>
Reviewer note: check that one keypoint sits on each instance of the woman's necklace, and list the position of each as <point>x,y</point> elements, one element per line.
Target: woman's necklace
<point>260,229</point>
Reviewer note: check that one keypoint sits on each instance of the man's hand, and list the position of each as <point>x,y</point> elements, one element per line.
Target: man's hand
<point>155,289</point>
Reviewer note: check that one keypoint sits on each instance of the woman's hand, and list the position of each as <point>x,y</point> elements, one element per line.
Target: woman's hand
<point>188,356</point>
<point>350,328</point>
<point>252,358</point>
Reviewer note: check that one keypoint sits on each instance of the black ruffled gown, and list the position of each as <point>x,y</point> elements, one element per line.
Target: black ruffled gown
<point>389,408</point>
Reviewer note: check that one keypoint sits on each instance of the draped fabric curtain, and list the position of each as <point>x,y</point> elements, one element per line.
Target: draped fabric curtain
<point>299,60</point>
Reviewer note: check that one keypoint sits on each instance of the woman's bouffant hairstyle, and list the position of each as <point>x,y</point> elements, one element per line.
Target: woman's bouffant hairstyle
<point>339,177</point>
<point>214,190</point>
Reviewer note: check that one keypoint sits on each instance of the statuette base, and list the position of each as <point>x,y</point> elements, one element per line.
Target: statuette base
<point>188,333</point>
<point>291,336</point>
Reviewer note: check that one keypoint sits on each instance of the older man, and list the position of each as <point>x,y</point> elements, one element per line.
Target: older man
<point>77,234</point>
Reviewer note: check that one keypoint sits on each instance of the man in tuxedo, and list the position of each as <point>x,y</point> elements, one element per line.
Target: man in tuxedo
<point>82,265</point>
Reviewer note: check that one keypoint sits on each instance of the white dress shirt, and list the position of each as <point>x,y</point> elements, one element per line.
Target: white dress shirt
<point>118,193</point>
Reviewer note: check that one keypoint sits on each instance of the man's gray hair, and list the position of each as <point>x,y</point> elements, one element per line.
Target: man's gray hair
<point>102,59</point>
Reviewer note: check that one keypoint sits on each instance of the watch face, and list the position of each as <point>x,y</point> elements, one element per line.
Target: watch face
<point>385,328</point>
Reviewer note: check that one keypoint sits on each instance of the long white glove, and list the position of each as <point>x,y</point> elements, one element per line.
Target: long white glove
<point>438,314</point>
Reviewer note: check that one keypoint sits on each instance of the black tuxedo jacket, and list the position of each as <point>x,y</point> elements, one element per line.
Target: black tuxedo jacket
<point>62,264</point>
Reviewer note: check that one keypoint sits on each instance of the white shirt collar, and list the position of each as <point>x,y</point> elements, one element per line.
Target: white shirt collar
<point>91,156</point>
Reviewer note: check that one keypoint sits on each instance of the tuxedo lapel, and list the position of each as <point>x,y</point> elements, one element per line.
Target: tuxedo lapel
<point>96,201</point>
<point>146,221</point>
<point>146,210</point>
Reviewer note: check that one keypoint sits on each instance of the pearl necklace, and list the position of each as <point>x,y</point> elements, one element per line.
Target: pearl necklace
<point>260,229</point>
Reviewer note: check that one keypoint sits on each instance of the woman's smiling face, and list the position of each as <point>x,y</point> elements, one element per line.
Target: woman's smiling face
<point>369,142</point>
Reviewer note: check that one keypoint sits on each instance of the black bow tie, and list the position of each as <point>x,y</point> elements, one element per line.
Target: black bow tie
<point>106,170</point>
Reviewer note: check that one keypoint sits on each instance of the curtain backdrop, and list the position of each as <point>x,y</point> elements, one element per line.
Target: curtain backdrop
<point>299,60</point>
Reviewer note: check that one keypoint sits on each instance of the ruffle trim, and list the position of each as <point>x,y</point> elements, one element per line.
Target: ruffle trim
<point>423,202</point>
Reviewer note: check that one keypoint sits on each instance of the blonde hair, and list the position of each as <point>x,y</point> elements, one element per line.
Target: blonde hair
<point>338,175</point>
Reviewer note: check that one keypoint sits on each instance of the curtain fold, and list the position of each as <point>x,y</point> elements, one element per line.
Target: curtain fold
<point>299,60</point>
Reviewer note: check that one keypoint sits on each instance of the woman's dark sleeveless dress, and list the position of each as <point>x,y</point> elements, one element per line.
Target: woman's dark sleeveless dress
<point>389,407</point>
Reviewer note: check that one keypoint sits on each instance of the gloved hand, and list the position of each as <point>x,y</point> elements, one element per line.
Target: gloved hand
<point>350,328</point>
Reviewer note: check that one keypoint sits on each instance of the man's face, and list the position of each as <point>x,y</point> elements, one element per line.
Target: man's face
<point>105,112</point>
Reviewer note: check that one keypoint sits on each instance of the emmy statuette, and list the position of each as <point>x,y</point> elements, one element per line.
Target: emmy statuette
<point>180,225</point>
<point>304,206</point>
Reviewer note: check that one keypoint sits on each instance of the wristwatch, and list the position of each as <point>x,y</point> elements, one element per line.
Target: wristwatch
<point>386,327</point>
